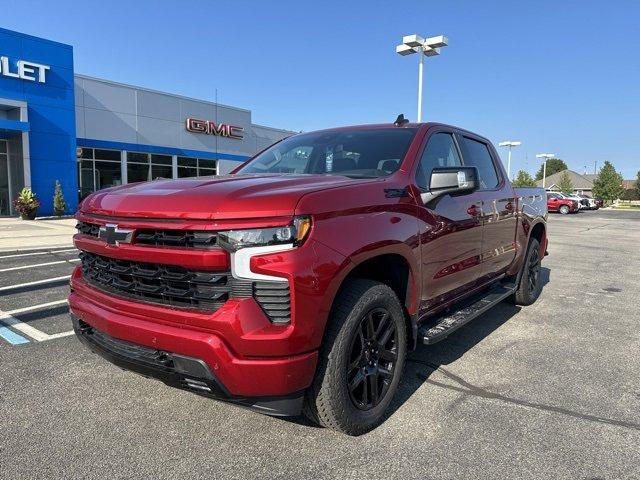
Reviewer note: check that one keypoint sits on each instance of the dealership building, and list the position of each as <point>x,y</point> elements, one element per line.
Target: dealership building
<point>91,133</point>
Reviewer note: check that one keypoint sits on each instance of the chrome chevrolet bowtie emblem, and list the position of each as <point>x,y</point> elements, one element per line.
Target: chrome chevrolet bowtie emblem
<point>113,235</point>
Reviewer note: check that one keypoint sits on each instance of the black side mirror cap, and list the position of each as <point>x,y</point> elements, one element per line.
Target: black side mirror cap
<point>451,181</point>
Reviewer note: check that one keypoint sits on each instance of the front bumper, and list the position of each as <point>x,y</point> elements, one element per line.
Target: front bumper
<point>179,371</point>
<point>263,382</point>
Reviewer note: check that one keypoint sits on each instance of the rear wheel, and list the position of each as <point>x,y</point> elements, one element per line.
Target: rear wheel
<point>564,209</point>
<point>361,359</point>
<point>530,285</point>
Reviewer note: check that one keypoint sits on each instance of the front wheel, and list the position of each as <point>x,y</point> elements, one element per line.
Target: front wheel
<point>564,209</point>
<point>361,360</point>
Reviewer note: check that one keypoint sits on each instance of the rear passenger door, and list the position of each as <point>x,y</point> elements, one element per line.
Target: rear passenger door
<point>499,216</point>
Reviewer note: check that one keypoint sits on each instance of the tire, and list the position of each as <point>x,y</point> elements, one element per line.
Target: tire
<point>528,291</point>
<point>348,364</point>
<point>564,209</point>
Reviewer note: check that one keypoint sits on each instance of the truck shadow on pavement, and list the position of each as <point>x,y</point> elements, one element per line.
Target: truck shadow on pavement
<point>425,360</point>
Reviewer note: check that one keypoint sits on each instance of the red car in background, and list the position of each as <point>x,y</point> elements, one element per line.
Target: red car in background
<point>557,203</point>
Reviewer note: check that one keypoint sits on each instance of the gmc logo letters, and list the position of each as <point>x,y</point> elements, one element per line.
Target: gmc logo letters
<point>210,127</point>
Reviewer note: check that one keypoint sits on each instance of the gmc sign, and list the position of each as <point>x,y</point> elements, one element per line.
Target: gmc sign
<point>211,128</point>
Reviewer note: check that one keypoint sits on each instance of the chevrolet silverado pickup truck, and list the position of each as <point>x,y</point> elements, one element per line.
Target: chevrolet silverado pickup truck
<point>299,283</point>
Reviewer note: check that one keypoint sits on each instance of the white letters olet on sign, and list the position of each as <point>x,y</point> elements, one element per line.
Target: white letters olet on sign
<point>31,71</point>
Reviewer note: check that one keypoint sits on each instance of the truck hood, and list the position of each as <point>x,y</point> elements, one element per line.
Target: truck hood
<point>225,197</point>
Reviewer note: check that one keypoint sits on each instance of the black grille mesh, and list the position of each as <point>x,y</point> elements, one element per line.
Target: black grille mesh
<point>177,238</point>
<point>166,284</point>
<point>274,299</point>
<point>179,287</point>
<point>197,239</point>
<point>86,228</point>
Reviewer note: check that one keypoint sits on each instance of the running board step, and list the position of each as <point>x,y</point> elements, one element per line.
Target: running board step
<point>473,308</point>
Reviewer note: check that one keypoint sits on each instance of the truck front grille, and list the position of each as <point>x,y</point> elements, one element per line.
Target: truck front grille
<point>90,229</point>
<point>179,287</point>
<point>165,284</point>
<point>196,239</point>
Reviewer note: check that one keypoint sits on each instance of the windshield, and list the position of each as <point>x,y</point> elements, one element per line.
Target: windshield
<point>352,153</point>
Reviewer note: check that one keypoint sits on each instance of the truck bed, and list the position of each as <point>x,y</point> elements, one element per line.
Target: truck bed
<point>532,201</point>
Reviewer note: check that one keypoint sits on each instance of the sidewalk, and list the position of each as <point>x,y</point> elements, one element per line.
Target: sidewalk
<point>17,234</point>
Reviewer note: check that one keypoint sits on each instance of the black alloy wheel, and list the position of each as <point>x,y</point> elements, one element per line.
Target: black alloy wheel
<point>372,360</point>
<point>533,269</point>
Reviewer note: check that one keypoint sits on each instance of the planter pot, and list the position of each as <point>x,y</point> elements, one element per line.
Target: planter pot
<point>29,216</point>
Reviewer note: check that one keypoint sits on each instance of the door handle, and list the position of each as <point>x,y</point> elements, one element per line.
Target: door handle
<point>473,210</point>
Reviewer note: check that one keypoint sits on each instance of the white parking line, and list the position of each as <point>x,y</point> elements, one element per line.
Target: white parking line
<point>33,308</point>
<point>61,335</point>
<point>37,282</point>
<point>17,255</point>
<point>24,267</point>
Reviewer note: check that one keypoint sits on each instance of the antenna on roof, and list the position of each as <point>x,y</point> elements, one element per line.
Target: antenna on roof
<point>400,120</point>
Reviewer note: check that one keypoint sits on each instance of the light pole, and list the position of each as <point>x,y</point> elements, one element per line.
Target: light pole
<point>509,144</point>
<point>546,157</point>
<point>424,47</point>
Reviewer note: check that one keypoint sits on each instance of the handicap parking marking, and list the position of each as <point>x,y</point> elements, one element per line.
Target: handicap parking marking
<point>12,337</point>
<point>7,320</point>
<point>24,328</point>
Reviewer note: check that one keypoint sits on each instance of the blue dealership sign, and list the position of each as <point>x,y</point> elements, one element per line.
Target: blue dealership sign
<point>38,123</point>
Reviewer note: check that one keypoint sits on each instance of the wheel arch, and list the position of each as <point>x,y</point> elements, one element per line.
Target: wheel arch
<point>395,267</point>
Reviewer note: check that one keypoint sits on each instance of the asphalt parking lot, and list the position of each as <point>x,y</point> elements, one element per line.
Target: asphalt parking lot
<point>548,391</point>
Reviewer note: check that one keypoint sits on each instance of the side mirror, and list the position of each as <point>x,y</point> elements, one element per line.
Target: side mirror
<point>451,180</point>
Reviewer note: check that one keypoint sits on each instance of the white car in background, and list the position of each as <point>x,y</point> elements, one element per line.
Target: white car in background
<point>591,203</point>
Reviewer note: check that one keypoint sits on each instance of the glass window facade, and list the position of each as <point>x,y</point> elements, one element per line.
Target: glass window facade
<point>102,168</point>
<point>97,169</point>
<point>196,167</point>
<point>142,167</point>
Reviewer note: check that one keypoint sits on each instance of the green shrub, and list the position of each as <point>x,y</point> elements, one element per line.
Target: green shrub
<point>59,205</point>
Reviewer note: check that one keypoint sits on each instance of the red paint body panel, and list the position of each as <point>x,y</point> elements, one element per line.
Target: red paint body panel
<point>451,249</point>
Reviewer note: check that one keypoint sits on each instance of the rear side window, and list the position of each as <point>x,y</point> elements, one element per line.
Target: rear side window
<point>440,152</point>
<point>476,154</point>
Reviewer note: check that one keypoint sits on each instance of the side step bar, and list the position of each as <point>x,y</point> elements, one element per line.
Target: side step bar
<point>473,308</point>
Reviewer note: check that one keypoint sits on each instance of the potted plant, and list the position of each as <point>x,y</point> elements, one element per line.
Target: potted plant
<point>27,204</point>
<point>59,205</point>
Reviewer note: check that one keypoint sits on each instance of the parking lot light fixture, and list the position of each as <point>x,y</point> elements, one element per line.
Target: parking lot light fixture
<point>424,47</point>
<point>509,144</point>
<point>546,157</point>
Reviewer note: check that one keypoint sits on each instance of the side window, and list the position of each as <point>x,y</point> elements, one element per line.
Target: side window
<point>476,154</point>
<point>439,152</point>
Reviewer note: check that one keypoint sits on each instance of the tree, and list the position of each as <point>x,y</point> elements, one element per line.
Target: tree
<point>59,205</point>
<point>638,184</point>
<point>523,179</point>
<point>554,165</point>
<point>608,184</point>
<point>565,183</point>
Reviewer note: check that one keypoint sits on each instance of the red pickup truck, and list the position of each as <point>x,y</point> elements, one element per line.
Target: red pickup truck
<point>300,282</point>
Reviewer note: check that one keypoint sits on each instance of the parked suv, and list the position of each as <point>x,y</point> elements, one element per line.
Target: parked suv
<point>300,282</point>
<point>556,202</point>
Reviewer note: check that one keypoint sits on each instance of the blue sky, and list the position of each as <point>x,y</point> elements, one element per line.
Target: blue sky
<point>560,76</point>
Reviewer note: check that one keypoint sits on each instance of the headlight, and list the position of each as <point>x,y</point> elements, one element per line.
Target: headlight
<point>295,234</point>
